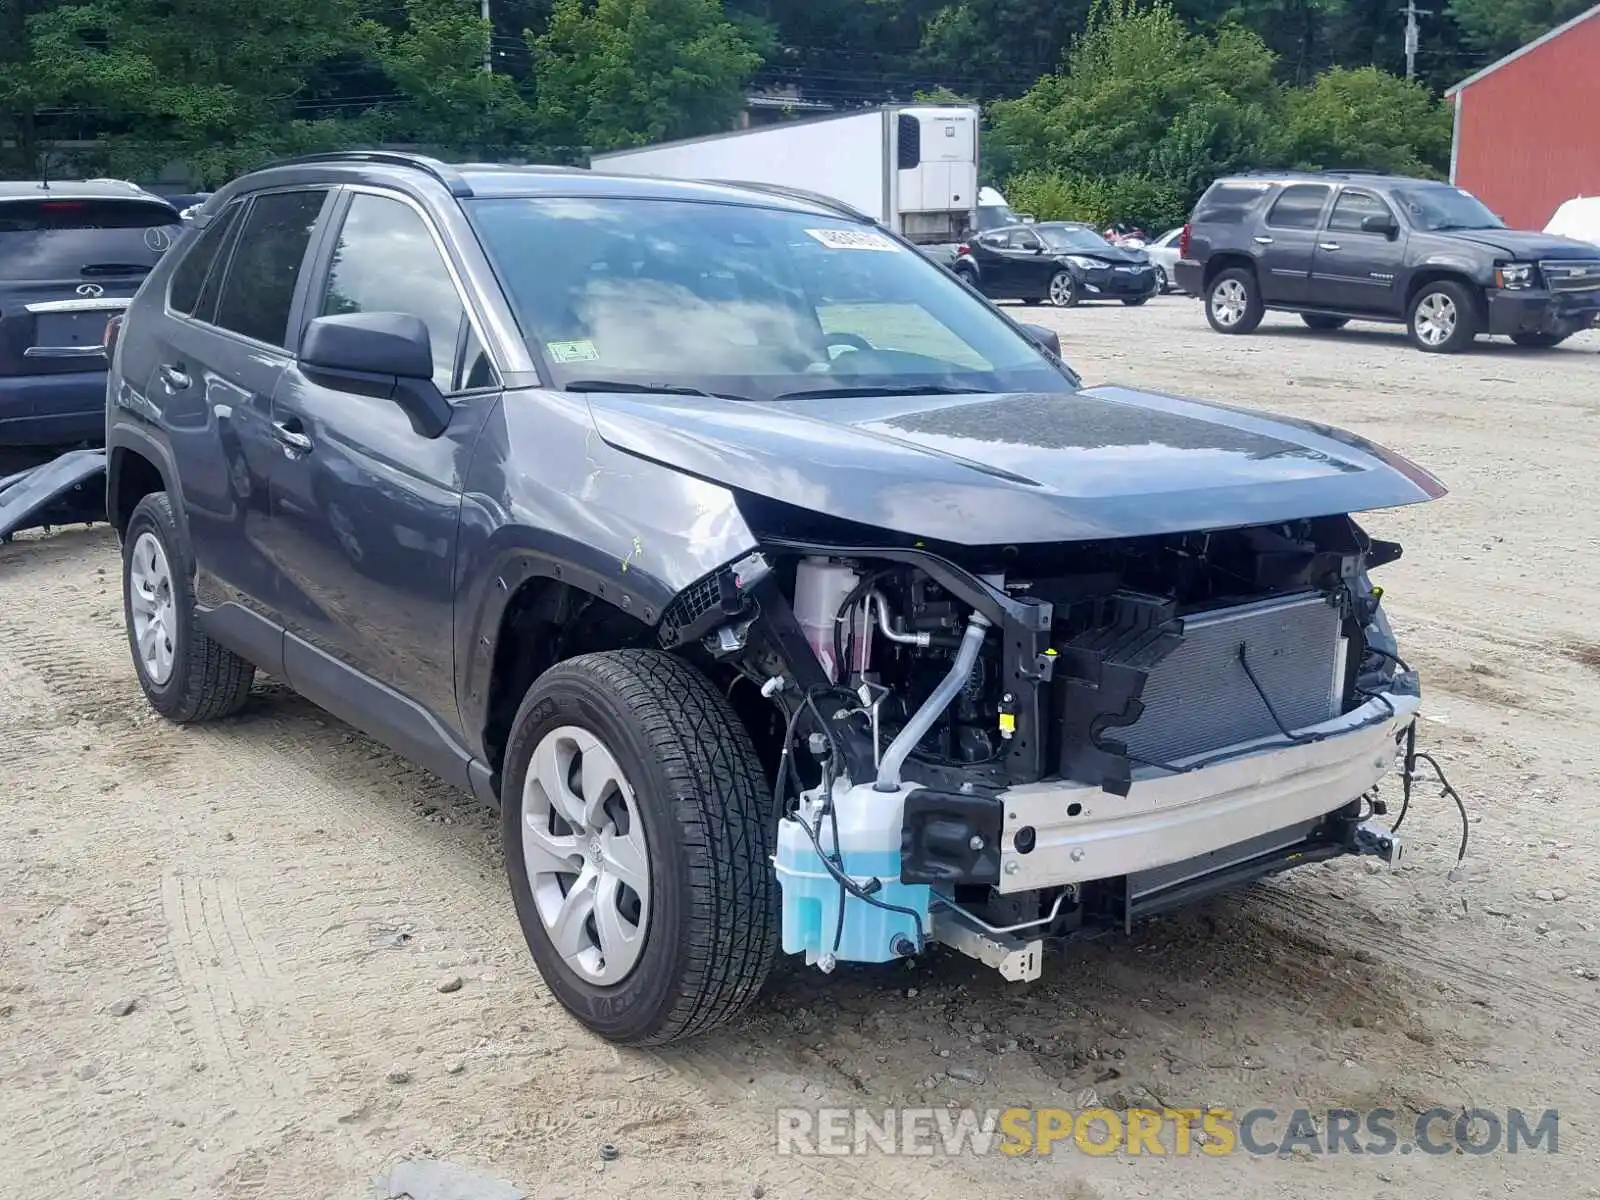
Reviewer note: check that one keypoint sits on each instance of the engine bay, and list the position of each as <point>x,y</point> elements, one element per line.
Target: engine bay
<point>920,688</point>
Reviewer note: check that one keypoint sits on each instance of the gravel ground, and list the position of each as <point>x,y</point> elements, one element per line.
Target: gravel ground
<point>229,956</point>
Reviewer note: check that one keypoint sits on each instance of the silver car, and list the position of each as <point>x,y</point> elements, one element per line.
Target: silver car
<point>1164,253</point>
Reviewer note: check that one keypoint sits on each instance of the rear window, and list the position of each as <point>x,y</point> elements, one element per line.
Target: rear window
<point>1229,202</point>
<point>74,239</point>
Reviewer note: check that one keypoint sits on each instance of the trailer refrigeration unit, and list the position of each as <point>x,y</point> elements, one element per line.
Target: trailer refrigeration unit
<point>914,168</point>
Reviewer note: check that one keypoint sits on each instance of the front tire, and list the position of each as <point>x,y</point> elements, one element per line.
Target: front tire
<point>1163,284</point>
<point>1233,302</point>
<point>638,830</point>
<point>1443,318</point>
<point>1135,301</point>
<point>186,677</point>
<point>1064,291</point>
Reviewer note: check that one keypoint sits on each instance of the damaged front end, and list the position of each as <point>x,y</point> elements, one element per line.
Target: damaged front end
<point>989,746</point>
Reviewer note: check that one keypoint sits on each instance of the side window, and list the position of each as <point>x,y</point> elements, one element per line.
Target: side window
<point>267,257</point>
<point>386,261</point>
<point>1025,241</point>
<point>1352,207</point>
<point>1228,202</point>
<point>995,241</point>
<point>199,257</point>
<point>1298,206</point>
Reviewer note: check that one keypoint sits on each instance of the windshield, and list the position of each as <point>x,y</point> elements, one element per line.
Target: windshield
<point>1068,238</point>
<point>742,301</point>
<point>68,239</point>
<point>1439,207</point>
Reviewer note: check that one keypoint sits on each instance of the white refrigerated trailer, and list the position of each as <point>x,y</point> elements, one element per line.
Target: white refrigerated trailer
<point>912,167</point>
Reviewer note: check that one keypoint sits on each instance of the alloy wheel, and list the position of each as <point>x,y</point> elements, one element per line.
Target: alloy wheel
<point>1229,301</point>
<point>1435,319</point>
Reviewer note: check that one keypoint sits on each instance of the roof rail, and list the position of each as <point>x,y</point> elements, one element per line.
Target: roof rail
<point>442,171</point>
<point>794,193</point>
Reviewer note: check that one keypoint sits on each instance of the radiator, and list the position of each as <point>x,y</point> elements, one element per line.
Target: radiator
<point>1200,699</point>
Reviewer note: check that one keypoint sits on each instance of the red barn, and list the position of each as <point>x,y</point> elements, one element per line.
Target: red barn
<point>1527,128</point>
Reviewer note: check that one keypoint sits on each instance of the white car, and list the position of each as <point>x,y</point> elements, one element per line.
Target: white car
<point>1577,218</point>
<point>1164,253</point>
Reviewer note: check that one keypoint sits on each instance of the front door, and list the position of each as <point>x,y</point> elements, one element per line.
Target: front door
<point>1287,243</point>
<point>365,509</point>
<point>1355,269</point>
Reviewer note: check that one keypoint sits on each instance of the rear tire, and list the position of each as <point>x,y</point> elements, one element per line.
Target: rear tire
<point>186,677</point>
<point>1443,318</point>
<point>682,810</point>
<point>1233,301</point>
<point>1322,323</point>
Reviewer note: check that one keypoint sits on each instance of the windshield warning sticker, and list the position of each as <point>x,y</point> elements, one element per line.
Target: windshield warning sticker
<point>852,239</point>
<point>570,352</point>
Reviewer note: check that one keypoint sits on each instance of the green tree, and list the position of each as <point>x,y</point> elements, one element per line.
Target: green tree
<point>1145,108</point>
<point>224,83</point>
<point>613,73</point>
<point>1497,27</point>
<point>1365,118</point>
<point>435,60</point>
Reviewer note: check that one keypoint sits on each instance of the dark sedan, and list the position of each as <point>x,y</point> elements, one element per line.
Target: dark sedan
<point>1058,261</point>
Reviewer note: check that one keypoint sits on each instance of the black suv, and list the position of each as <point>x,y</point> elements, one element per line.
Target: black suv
<point>729,545</point>
<point>71,255</point>
<point>1336,247</point>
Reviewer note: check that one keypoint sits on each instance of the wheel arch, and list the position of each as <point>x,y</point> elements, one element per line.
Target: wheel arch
<point>1440,273</point>
<point>1218,263</point>
<point>133,471</point>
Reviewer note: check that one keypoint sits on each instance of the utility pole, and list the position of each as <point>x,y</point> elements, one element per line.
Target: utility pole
<point>1411,11</point>
<point>488,37</point>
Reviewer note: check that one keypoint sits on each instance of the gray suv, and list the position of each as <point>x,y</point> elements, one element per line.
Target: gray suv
<point>1341,246</point>
<point>780,590</point>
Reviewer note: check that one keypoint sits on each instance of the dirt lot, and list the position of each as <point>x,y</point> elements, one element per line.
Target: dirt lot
<point>280,899</point>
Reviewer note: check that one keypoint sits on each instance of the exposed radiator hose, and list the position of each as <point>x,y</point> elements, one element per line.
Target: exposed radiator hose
<point>933,707</point>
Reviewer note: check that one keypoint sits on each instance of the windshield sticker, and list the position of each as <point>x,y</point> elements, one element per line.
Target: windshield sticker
<point>852,239</point>
<point>571,352</point>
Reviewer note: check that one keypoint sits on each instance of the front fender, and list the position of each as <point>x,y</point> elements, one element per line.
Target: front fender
<point>547,498</point>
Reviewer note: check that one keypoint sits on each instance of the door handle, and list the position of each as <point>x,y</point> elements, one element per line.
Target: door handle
<point>294,442</point>
<point>174,377</point>
<point>1327,245</point>
<point>1263,241</point>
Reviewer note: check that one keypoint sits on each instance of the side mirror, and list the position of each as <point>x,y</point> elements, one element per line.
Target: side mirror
<point>1379,223</point>
<point>388,355</point>
<point>1045,337</point>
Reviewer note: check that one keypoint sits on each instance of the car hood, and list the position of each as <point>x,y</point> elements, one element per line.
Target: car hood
<point>989,469</point>
<point>1525,244</point>
<point>1118,256</point>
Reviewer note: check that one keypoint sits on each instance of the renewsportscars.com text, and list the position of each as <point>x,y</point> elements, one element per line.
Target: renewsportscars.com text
<point>1215,1132</point>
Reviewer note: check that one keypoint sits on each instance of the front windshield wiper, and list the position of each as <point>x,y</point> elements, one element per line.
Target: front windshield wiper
<point>651,389</point>
<point>925,389</point>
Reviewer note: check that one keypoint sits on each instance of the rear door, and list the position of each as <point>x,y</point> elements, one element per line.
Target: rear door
<point>1353,269</point>
<point>365,509</point>
<point>218,354</point>
<point>67,265</point>
<point>1286,243</point>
